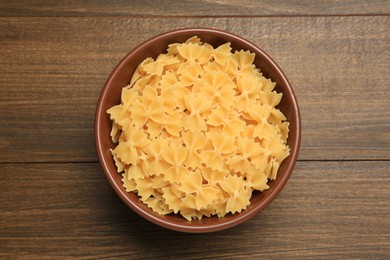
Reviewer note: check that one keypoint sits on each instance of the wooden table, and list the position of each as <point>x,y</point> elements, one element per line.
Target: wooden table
<point>55,57</point>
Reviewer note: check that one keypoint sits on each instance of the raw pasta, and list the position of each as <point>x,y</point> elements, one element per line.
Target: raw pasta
<point>198,131</point>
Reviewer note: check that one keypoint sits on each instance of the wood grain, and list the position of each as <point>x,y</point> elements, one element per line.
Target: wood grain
<point>52,71</point>
<point>191,8</point>
<point>327,210</point>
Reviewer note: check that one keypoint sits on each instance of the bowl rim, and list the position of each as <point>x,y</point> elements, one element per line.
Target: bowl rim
<point>244,215</point>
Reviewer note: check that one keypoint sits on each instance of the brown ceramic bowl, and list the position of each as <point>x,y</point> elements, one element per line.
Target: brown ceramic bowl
<point>120,77</point>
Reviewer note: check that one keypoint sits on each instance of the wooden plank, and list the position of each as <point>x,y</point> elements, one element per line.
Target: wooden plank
<point>327,210</point>
<point>191,8</point>
<point>52,71</point>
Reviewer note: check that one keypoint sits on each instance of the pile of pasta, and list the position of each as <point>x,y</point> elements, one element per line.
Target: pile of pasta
<point>197,131</point>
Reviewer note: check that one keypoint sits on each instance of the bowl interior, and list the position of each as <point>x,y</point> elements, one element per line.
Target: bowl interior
<point>121,76</point>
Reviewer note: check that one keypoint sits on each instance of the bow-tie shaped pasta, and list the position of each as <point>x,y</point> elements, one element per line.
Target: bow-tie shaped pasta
<point>222,53</point>
<point>263,129</point>
<point>190,51</point>
<point>256,180</point>
<point>205,195</point>
<point>120,115</point>
<point>198,130</point>
<point>196,105</point>
<point>127,151</point>
<point>215,86</point>
<point>194,141</point>
<point>248,92</point>
<point>239,195</point>
<point>157,204</point>
<point>188,207</point>
<point>175,156</point>
<point>222,145</point>
<point>247,150</point>
<point>232,126</point>
<point>142,112</point>
<point>211,176</point>
<point>189,74</point>
<point>154,149</point>
<point>241,64</point>
<point>173,197</point>
<point>157,67</point>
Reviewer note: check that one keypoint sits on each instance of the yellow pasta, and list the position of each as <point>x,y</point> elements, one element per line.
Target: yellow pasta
<point>198,131</point>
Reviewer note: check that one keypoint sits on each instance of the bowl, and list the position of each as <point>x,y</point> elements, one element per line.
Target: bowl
<point>120,77</point>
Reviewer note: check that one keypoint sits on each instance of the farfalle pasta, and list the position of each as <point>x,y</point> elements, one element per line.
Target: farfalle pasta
<point>198,131</point>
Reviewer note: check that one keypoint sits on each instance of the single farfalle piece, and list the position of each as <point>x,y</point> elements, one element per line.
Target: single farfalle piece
<point>120,115</point>
<point>239,163</point>
<point>135,172</point>
<point>283,131</point>
<point>206,54</point>
<point>248,91</point>
<point>140,84</point>
<point>156,203</point>
<point>212,176</point>
<point>128,183</point>
<point>213,66</point>
<point>188,207</point>
<point>173,123</point>
<point>232,125</point>
<point>166,99</point>
<point>270,98</point>
<point>155,149</point>
<point>153,129</point>
<point>276,117</point>
<point>248,131</point>
<point>175,156</point>
<point>196,105</point>
<point>248,148</point>
<point>157,67</point>
<point>266,84</point>
<point>169,79</point>
<point>275,147</point>
<point>263,129</point>
<point>127,151</point>
<point>120,166</point>
<point>256,180</point>
<point>215,86</point>
<point>142,111</point>
<point>190,51</point>
<point>149,95</point>
<point>241,63</point>
<point>115,132</point>
<point>139,72</point>
<point>172,48</point>
<point>222,145</point>
<point>173,197</point>
<point>220,205</point>
<point>221,53</point>
<point>189,74</point>
<point>128,96</point>
<point>194,141</point>
<point>179,96</point>
<point>204,195</point>
<point>239,196</point>
<point>261,161</point>
<point>159,183</point>
<point>194,40</point>
<point>144,186</point>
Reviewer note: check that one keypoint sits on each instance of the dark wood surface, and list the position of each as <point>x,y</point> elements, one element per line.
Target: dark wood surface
<point>54,60</point>
<point>192,8</point>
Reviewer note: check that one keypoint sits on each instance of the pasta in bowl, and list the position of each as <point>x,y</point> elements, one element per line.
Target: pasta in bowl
<point>191,126</point>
